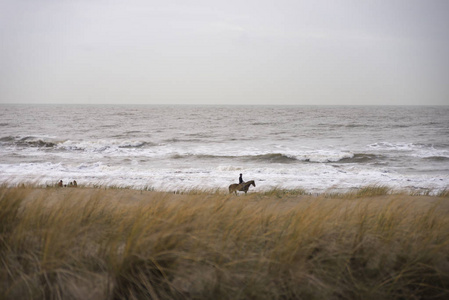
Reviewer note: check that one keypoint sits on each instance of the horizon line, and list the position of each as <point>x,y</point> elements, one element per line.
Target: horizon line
<point>207,104</point>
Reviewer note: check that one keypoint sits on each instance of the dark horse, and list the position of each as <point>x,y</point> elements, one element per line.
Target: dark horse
<point>242,187</point>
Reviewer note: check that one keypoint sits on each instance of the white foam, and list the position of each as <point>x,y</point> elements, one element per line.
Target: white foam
<point>313,178</point>
<point>324,156</point>
<point>413,149</point>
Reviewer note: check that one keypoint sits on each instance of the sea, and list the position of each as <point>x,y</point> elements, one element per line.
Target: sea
<point>174,148</point>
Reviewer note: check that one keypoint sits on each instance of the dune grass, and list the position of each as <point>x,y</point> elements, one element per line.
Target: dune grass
<point>118,244</point>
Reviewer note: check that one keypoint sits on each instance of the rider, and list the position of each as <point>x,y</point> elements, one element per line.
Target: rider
<point>241,179</point>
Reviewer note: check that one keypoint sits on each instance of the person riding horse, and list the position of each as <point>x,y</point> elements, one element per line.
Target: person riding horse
<point>242,187</point>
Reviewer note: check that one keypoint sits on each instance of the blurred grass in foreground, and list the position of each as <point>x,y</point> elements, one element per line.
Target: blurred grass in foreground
<point>124,244</point>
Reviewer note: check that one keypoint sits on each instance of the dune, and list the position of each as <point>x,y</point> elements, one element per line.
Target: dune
<point>96,243</point>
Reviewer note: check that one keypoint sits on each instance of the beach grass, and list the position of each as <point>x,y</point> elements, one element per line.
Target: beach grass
<point>91,243</point>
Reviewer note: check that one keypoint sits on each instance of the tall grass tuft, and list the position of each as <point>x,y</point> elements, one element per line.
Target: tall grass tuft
<point>368,191</point>
<point>444,193</point>
<point>124,244</point>
<point>10,202</point>
<point>278,192</point>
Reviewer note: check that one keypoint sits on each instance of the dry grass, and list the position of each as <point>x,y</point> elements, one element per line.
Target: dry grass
<point>124,244</point>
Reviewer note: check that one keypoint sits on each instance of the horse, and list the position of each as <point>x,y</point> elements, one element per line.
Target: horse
<point>242,187</point>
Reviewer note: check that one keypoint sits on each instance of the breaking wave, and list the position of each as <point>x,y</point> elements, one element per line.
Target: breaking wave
<point>363,158</point>
<point>420,150</point>
<point>279,158</point>
<point>28,141</point>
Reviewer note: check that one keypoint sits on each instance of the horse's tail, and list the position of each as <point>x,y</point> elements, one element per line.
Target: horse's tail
<point>233,188</point>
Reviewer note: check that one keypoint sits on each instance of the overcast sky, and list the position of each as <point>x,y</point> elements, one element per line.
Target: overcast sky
<point>225,52</point>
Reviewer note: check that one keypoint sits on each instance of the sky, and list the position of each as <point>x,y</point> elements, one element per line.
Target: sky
<point>339,52</point>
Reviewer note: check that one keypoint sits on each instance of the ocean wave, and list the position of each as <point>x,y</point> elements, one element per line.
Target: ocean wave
<point>279,158</point>
<point>325,156</point>
<point>363,158</point>
<point>183,140</point>
<point>136,145</point>
<point>6,139</point>
<point>86,166</point>
<point>179,156</point>
<point>356,126</point>
<point>190,138</point>
<point>127,134</point>
<point>272,158</point>
<point>420,150</point>
<point>29,141</point>
<point>269,158</point>
<point>400,146</point>
<point>261,123</point>
<point>51,144</point>
<point>39,144</point>
<point>437,158</point>
<point>103,145</point>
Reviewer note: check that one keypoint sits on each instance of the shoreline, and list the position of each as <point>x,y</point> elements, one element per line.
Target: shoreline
<point>368,190</point>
